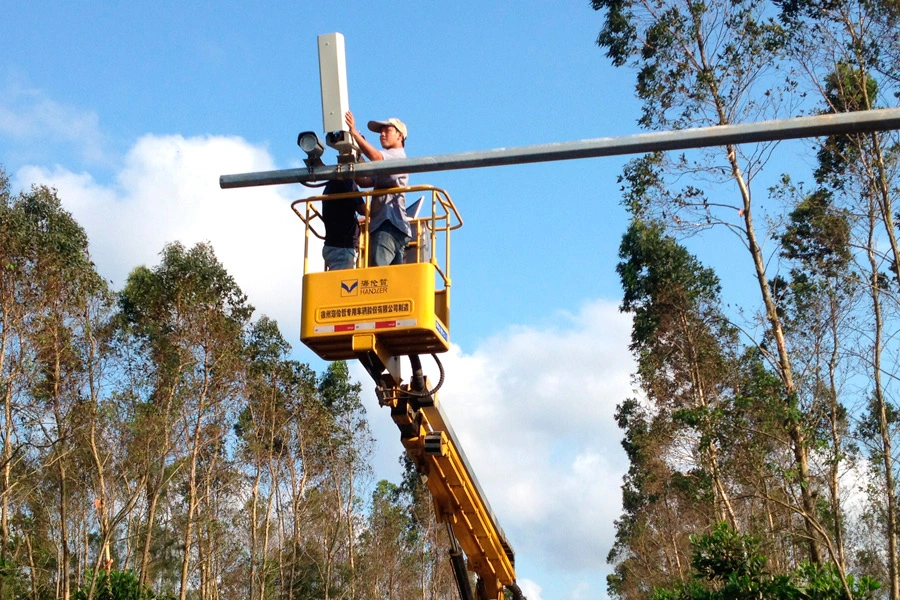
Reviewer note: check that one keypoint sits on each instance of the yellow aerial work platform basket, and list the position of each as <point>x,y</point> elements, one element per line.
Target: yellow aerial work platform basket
<point>394,310</point>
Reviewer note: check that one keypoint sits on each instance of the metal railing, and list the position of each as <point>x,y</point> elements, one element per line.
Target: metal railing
<point>432,230</point>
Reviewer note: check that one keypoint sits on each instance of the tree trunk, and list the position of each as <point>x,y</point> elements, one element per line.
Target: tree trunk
<point>61,443</point>
<point>192,476</point>
<point>33,572</point>
<point>100,501</point>
<point>192,507</point>
<point>267,524</point>
<point>882,193</point>
<point>64,552</point>
<point>153,491</point>
<point>799,445</point>
<point>7,469</point>
<point>253,504</point>
<point>834,417</point>
<point>883,425</point>
<point>188,533</point>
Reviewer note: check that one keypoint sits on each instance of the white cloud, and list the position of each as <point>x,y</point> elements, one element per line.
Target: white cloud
<point>530,589</point>
<point>33,120</point>
<point>582,591</point>
<point>167,191</point>
<point>533,409</point>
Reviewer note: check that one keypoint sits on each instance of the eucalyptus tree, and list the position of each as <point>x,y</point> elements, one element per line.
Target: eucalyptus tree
<point>342,475</point>
<point>848,52</point>
<point>862,173</point>
<point>305,459</point>
<point>261,430</point>
<point>59,289</point>
<point>403,549</point>
<point>696,442</point>
<point>23,540</point>
<point>707,64</point>
<point>386,546</point>
<point>190,315</point>
<point>819,301</point>
<point>681,341</point>
<point>650,549</point>
<point>428,538</point>
<point>12,315</point>
<point>280,415</point>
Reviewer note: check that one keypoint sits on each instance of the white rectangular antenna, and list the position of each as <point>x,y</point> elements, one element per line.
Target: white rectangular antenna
<point>333,78</point>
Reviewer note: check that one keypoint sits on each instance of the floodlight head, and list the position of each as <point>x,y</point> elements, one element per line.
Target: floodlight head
<point>309,143</point>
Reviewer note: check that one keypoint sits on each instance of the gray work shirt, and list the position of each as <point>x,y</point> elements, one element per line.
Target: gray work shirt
<point>390,207</point>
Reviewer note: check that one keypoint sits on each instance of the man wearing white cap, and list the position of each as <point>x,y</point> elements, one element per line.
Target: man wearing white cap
<point>389,230</point>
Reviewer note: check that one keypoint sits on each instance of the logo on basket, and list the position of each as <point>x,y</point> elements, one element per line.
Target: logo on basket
<point>350,287</point>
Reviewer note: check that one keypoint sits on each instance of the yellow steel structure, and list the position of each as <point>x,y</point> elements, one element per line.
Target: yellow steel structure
<point>458,500</point>
<point>394,311</point>
<point>378,314</point>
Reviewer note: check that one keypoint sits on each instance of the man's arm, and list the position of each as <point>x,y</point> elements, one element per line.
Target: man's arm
<point>370,151</point>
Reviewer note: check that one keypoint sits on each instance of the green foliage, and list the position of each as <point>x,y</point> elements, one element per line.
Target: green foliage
<point>823,582</point>
<point>619,35</point>
<point>115,585</point>
<point>642,178</point>
<point>817,235</point>
<point>13,579</point>
<point>847,89</point>
<point>678,77</point>
<point>278,390</point>
<point>188,289</point>
<point>725,554</point>
<point>871,421</point>
<point>339,394</point>
<point>659,276</point>
<point>729,565</point>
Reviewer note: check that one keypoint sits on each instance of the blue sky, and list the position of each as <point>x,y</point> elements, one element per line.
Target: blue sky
<point>132,110</point>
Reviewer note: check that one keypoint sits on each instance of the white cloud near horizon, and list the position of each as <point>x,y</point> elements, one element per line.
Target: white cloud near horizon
<point>168,190</point>
<point>533,409</point>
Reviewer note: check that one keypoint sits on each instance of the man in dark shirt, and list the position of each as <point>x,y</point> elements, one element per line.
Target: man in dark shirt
<point>341,225</point>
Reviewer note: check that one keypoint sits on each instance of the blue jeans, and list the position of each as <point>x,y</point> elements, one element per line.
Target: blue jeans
<point>386,245</point>
<point>339,258</point>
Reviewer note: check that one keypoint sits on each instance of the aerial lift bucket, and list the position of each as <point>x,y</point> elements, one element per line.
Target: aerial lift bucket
<point>390,311</point>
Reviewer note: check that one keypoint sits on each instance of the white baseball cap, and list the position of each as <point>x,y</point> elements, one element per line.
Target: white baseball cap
<point>377,126</point>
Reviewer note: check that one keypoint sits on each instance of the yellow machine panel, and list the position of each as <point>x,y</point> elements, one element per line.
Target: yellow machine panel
<point>398,303</point>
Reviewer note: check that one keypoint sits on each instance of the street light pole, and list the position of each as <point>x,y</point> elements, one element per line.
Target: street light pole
<point>763,131</point>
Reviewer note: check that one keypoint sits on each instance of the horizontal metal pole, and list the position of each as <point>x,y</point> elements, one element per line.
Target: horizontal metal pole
<point>783,129</point>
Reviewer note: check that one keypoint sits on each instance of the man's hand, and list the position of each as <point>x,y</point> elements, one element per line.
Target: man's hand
<point>370,151</point>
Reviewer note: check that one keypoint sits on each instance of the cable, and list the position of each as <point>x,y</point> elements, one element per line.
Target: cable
<point>314,185</point>
<point>516,591</point>
<point>426,393</point>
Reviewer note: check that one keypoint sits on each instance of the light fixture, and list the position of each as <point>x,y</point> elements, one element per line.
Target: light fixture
<point>309,142</point>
